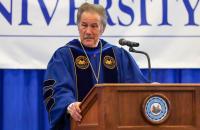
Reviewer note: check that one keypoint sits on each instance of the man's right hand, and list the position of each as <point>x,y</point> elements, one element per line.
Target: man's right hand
<point>75,111</point>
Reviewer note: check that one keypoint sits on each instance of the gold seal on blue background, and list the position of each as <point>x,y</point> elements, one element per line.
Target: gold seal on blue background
<point>82,62</point>
<point>109,62</point>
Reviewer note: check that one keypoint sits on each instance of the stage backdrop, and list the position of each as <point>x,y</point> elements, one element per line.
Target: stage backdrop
<point>31,30</point>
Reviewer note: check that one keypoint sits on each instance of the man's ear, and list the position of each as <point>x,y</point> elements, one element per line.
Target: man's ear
<point>102,29</point>
<point>78,27</point>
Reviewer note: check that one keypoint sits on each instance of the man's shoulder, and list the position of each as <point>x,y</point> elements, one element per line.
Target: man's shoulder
<point>119,51</point>
<point>108,44</point>
<point>68,45</point>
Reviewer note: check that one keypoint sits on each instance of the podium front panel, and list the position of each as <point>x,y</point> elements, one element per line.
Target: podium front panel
<point>121,107</point>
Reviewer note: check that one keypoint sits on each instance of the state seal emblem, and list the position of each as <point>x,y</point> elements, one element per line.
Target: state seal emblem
<point>109,62</point>
<point>82,62</point>
<point>156,108</point>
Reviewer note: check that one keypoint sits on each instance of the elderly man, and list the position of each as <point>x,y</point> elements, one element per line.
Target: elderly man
<point>76,67</point>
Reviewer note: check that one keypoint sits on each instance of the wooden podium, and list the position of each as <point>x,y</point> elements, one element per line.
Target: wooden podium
<point>126,107</point>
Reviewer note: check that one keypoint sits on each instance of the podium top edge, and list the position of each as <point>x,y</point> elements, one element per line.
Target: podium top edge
<point>146,84</point>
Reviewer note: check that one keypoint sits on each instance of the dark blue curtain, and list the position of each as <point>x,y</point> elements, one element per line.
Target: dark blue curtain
<point>21,104</point>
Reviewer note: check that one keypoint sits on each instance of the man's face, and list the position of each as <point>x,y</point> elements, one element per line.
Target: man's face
<point>90,28</point>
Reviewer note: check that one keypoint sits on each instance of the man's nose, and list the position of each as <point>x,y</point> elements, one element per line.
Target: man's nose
<point>88,30</point>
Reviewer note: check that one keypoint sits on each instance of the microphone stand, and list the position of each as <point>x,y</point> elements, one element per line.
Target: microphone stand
<point>131,49</point>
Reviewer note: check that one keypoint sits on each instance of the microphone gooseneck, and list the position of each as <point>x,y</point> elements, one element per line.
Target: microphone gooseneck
<point>131,44</point>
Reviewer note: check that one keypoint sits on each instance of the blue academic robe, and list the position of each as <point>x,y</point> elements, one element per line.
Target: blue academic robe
<point>69,71</point>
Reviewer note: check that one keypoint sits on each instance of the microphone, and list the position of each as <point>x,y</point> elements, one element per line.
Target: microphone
<point>128,43</point>
<point>131,44</point>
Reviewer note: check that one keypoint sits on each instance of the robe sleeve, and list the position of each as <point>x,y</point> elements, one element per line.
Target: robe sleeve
<point>129,70</point>
<point>59,87</point>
